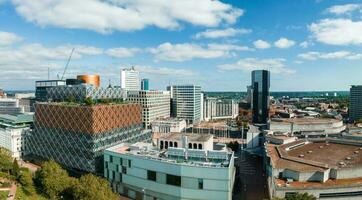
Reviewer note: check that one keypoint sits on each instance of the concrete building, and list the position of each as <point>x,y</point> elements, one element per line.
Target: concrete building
<point>168,125</point>
<point>326,168</point>
<point>144,171</point>
<point>41,88</point>
<point>155,104</point>
<point>307,126</point>
<point>10,106</point>
<point>260,83</point>
<point>214,109</point>
<point>130,79</point>
<point>355,102</point>
<point>186,102</point>
<point>145,84</point>
<point>13,132</point>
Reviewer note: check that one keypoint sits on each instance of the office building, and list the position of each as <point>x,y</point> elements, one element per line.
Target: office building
<point>41,88</point>
<point>155,104</point>
<point>145,84</point>
<point>168,125</point>
<point>10,106</point>
<point>186,102</point>
<point>214,109</point>
<point>130,79</point>
<point>327,168</point>
<point>13,132</point>
<point>355,102</point>
<point>260,80</point>
<point>181,166</point>
<point>2,93</point>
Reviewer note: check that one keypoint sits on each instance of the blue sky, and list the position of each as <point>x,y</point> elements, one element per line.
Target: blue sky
<point>307,44</point>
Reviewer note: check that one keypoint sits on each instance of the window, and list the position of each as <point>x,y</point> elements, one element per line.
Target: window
<point>195,146</point>
<point>175,144</point>
<point>190,146</point>
<point>173,180</point>
<point>106,165</point>
<point>129,163</point>
<point>110,158</point>
<point>124,170</point>
<point>113,175</point>
<point>201,183</point>
<point>200,146</point>
<point>151,175</point>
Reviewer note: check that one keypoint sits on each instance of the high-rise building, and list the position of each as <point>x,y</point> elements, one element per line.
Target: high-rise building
<point>130,79</point>
<point>355,102</point>
<point>145,84</point>
<point>260,83</point>
<point>41,88</point>
<point>186,102</point>
<point>155,104</point>
<point>181,166</point>
<point>214,108</point>
<point>10,106</point>
<point>13,132</point>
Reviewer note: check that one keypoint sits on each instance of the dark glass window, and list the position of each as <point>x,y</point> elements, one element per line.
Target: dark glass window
<point>151,175</point>
<point>129,163</point>
<point>173,180</point>
<point>110,158</point>
<point>201,183</point>
<point>124,170</point>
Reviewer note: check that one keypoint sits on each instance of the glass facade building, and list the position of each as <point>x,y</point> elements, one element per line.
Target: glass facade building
<point>355,102</point>
<point>260,83</point>
<point>145,84</point>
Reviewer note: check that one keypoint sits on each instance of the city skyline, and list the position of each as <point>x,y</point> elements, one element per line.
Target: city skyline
<point>214,44</point>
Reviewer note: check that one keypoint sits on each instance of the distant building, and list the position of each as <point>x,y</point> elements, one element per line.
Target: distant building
<point>260,80</point>
<point>2,93</point>
<point>155,104</point>
<point>145,84</point>
<point>130,79</point>
<point>41,88</point>
<point>181,166</point>
<point>13,132</point>
<point>186,102</point>
<point>214,108</point>
<point>168,125</point>
<point>10,106</point>
<point>355,102</point>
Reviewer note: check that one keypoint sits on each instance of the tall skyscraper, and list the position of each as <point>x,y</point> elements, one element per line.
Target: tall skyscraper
<point>260,83</point>
<point>186,102</point>
<point>355,102</point>
<point>145,84</point>
<point>130,79</point>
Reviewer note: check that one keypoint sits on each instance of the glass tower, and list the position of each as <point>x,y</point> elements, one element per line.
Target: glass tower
<point>260,82</point>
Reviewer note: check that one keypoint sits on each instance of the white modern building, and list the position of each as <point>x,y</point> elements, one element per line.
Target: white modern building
<point>155,104</point>
<point>214,109</point>
<point>10,106</point>
<point>186,102</point>
<point>13,131</point>
<point>168,125</point>
<point>143,171</point>
<point>130,79</point>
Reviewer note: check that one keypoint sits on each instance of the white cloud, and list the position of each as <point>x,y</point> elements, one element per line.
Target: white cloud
<point>122,52</point>
<point>105,16</point>
<point>304,44</point>
<point>185,51</point>
<point>284,43</point>
<point>221,33</point>
<point>275,65</point>
<point>337,31</point>
<point>7,38</point>
<point>261,44</point>
<point>229,47</point>
<point>314,55</point>
<point>344,9</point>
<point>164,71</point>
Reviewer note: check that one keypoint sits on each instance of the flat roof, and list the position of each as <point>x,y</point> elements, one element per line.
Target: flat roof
<point>15,119</point>
<point>317,155</point>
<point>304,120</point>
<point>192,137</point>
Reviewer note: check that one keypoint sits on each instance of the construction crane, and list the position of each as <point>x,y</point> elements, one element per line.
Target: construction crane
<point>66,65</point>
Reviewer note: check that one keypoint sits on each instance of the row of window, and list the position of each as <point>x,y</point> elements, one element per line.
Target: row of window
<point>172,179</point>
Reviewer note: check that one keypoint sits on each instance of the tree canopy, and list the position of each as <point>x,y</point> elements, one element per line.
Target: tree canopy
<point>91,187</point>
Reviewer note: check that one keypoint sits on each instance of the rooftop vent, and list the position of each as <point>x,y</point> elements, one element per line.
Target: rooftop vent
<point>327,144</point>
<point>360,148</point>
<point>321,147</point>
<point>348,158</point>
<point>342,163</point>
<point>301,156</point>
<point>356,152</point>
<point>310,151</point>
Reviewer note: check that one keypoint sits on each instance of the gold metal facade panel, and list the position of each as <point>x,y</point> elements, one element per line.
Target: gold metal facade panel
<point>90,79</point>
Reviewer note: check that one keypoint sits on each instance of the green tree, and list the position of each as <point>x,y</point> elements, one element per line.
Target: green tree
<point>5,160</point>
<point>91,187</point>
<point>88,101</point>
<point>54,180</point>
<point>300,196</point>
<point>15,171</point>
<point>26,180</point>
